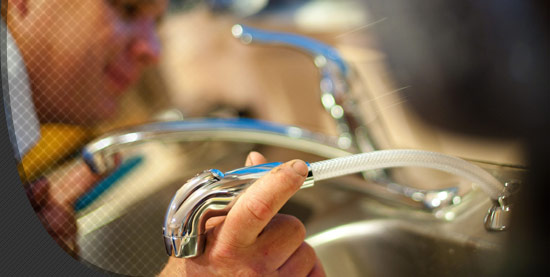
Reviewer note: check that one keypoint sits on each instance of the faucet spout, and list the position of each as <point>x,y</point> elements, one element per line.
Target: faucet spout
<point>335,84</point>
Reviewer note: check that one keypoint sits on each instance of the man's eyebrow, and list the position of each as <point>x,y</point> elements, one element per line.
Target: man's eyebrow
<point>144,2</point>
<point>152,3</point>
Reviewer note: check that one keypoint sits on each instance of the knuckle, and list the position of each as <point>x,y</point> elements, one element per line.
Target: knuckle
<point>259,209</point>
<point>259,268</point>
<point>289,225</point>
<point>287,178</point>
<point>298,227</point>
<point>249,272</point>
<point>252,269</point>
<point>222,252</point>
<point>307,256</point>
<point>309,252</point>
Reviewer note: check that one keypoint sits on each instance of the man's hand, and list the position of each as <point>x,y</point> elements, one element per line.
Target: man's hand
<point>55,202</point>
<point>253,240</point>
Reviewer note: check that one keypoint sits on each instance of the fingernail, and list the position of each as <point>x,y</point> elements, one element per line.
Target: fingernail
<point>300,167</point>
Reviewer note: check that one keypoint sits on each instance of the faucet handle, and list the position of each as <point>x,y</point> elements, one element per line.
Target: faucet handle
<point>321,52</point>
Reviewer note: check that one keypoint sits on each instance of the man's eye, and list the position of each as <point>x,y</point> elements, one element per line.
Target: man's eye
<point>127,9</point>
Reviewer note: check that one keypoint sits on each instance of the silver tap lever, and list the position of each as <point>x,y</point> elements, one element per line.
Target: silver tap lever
<point>313,47</point>
<point>210,193</point>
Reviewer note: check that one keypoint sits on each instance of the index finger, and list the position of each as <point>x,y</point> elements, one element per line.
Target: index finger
<point>253,158</point>
<point>260,202</point>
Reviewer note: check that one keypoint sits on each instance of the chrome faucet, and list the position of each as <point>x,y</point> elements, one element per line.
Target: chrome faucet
<point>335,84</point>
<point>210,193</point>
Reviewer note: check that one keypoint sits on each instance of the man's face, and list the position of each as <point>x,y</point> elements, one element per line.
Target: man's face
<point>82,55</point>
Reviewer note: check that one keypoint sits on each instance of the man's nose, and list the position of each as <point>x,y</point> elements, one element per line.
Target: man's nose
<point>146,46</point>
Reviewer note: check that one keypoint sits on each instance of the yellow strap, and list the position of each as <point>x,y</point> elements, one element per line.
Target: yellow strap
<point>57,141</point>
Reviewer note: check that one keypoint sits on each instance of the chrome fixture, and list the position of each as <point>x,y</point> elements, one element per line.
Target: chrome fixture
<point>335,84</point>
<point>499,215</point>
<point>210,193</point>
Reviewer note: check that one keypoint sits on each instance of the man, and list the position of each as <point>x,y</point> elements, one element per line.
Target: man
<point>69,62</point>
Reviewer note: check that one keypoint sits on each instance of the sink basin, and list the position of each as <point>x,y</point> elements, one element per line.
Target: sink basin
<point>391,248</point>
<point>353,234</point>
